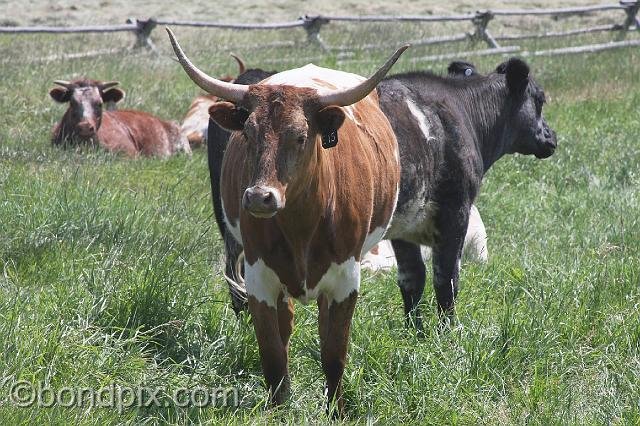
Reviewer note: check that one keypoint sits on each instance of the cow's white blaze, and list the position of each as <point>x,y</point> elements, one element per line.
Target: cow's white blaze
<point>421,119</point>
<point>84,97</point>
<point>262,282</point>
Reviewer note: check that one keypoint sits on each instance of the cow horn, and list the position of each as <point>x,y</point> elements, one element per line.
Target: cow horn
<point>241,67</point>
<point>344,97</point>
<point>63,83</point>
<point>107,85</point>
<point>222,89</point>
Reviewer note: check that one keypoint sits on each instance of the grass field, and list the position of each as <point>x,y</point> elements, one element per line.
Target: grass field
<point>110,268</point>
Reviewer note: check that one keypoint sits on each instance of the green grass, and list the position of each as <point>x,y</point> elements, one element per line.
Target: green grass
<point>110,268</point>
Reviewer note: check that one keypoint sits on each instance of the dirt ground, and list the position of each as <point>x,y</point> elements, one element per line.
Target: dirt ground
<point>69,12</point>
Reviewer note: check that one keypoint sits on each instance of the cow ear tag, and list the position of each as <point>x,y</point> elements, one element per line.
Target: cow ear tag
<point>330,139</point>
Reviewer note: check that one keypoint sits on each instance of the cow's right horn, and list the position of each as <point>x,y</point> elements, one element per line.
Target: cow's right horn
<point>222,89</point>
<point>344,97</point>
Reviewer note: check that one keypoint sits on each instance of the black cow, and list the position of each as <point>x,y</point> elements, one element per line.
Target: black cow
<point>218,138</point>
<point>450,131</point>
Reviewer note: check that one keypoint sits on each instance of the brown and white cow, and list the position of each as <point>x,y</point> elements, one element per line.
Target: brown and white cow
<point>309,184</point>
<point>124,131</point>
<point>196,121</point>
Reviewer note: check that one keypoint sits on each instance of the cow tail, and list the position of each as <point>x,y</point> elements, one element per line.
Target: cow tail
<point>236,283</point>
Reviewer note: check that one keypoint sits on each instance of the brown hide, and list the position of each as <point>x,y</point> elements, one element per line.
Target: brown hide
<point>134,133</point>
<point>130,132</point>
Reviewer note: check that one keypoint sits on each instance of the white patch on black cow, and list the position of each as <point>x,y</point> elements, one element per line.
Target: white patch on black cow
<point>475,248</point>
<point>421,119</point>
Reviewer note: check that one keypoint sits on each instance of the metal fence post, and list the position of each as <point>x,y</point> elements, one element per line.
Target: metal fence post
<point>631,9</point>
<point>143,32</point>
<point>312,25</point>
<point>480,21</point>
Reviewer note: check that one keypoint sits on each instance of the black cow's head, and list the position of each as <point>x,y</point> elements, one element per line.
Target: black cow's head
<point>527,128</point>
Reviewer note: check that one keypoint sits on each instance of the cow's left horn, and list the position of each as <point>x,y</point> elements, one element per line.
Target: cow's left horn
<point>222,89</point>
<point>344,97</point>
<point>241,66</point>
<point>108,84</point>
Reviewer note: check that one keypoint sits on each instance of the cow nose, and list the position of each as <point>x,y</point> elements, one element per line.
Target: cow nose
<point>261,201</point>
<point>86,128</point>
<point>550,137</point>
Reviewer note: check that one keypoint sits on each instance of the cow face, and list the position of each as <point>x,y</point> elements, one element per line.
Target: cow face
<point>282,128</point>
<point>86,99</point>
<point>529,131</point>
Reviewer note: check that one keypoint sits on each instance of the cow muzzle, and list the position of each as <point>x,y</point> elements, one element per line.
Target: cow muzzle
<point>548,145</point>
<point>262,201</point>
<point>86,129</point>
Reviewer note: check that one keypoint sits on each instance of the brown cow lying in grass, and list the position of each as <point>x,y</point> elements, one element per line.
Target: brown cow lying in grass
<point>130,132</point>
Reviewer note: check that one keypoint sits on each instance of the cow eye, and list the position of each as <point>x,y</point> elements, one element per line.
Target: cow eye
<point>301,140</point>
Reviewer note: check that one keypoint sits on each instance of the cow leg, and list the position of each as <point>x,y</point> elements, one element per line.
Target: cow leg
<point>285,320</point>
<point>451,224</point>
<point>411,279</point>
<point>334,325</point>
<point>273,352</point>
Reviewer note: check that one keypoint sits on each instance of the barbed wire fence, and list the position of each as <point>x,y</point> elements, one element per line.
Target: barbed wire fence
<point>313,26</point>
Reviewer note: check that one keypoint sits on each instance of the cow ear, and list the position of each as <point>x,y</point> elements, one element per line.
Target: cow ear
<point>330,119</point>
<point>502,68</point>
<point>228,116</point>
<point>517,74</point>
<point>114,95</point>
<point>60,94</point>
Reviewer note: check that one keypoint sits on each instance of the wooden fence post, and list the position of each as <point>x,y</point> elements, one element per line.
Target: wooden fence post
<point>312,25</point>
<point>480,21</point>
<point>631,9</point>
<point>143,32</point>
